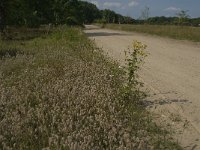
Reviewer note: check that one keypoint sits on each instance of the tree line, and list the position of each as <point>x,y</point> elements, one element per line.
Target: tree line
<point>33,13</point>
<point>162,20</point>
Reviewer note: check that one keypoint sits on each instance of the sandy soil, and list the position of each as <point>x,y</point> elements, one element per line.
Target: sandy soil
<point>171,74</point>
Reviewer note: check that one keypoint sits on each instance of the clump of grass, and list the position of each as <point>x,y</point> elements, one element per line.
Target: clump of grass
<point>67,95</point>
<point>24,34</point>
<point>176,32</point>
<point>10,52</point>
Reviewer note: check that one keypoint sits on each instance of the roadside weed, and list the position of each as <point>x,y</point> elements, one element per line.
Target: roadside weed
<point>134,58</point>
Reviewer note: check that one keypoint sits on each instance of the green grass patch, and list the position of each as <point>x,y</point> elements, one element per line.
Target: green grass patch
<point>59,92</point>
<point>176,32</point>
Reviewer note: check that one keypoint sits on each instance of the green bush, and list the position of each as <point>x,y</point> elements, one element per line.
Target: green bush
<point>72,21</point>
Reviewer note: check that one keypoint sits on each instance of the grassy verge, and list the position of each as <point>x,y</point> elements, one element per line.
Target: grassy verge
<point>59,92</point>
<point>176,32</point>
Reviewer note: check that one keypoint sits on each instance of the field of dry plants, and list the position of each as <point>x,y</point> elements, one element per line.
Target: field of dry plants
<point>171,31</point>
<point>57,91</point>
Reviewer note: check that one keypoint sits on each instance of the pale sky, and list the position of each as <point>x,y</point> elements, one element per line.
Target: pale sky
<point>133,8</point>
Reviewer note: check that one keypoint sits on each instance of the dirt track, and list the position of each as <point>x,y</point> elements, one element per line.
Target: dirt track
<point>171,73</point>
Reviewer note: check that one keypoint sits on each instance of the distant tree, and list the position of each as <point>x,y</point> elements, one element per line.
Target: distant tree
<point>88,12</point>
<point>195,21</point>
<point>128,20</point>
<point>182,17</point>
<point>145,13</point>
<point>109,16</point>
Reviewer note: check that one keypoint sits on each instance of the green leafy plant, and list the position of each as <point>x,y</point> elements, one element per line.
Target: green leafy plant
<point>134,58</point>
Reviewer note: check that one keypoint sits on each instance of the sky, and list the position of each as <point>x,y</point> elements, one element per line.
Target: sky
<point>133,8</point>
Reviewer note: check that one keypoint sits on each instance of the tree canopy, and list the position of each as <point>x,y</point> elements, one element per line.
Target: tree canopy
<point>36,12</point>
<point>33,13</point>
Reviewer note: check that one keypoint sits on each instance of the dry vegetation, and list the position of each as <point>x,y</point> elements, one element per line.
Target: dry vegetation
<point>57,91</point>
<point>176,32</point>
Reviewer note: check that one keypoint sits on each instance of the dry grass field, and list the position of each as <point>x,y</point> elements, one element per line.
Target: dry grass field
<point>176,32</point>
<point>57,91</point>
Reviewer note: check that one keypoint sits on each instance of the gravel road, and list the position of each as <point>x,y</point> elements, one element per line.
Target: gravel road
<point>171,74</point>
